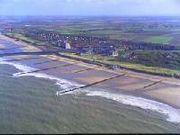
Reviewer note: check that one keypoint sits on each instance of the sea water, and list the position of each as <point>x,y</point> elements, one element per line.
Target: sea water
<point>29,103</point>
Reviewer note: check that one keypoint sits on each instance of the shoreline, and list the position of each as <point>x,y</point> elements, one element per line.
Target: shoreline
<point>125,99</point>
<point>130,76</point>
<point>137,73</point>
<point>102,64</point>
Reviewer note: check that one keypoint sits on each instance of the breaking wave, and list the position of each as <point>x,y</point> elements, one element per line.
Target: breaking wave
<point>172,114</point>
<point>24,71</point>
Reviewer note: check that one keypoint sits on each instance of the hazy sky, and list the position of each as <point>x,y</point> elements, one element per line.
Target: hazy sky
<point>90,7</point>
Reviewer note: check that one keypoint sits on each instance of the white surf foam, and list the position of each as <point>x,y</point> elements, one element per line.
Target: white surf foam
<point>173,115</point>
<point>18,66</point>
<point>64,84</point>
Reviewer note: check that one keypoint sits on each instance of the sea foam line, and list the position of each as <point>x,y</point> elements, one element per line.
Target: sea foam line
<point>172,114</point>
<point>64,84</point>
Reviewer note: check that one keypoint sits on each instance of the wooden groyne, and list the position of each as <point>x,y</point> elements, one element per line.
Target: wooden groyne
<point>89,85</point>
<point>45,69</point>
<point>87,69</point>
<point>152,84</point>
<point>144,89</point>
<point>39,63</point>
<point>11,60</point>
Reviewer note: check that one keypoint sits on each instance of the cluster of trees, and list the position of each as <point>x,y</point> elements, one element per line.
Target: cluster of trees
<point>146,46</point>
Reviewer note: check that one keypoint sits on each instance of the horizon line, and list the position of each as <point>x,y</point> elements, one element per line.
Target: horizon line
<point>89,15</point>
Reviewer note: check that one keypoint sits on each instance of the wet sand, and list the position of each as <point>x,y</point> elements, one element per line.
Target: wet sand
<point>25,46</point>
<point>159,88</point>
<point>2,46</point>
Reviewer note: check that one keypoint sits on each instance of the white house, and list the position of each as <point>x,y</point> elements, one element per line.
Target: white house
<point>115,53</point>
<point>68,45</point>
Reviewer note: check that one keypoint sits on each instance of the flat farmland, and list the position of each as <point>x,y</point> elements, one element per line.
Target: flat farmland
<point>163,33</point>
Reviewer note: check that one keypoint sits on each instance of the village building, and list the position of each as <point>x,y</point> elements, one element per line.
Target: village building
<point>115,53</point>
<point>67,45</point>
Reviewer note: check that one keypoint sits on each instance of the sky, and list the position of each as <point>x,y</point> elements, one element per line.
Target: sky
<point>91,7</point>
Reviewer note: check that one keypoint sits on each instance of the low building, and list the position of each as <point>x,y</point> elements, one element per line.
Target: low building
<point>68,45</point>
<point>115,53</point>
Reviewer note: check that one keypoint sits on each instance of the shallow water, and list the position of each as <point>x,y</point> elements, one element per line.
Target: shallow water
<point>30,105</point>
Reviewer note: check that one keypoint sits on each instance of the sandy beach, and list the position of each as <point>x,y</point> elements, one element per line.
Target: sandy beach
<point>25,47</point>
<point>159,88</point>
<point>2,46</point>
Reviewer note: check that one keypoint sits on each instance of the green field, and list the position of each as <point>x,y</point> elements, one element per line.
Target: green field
<point>159,39</point>
<point>126,31</point>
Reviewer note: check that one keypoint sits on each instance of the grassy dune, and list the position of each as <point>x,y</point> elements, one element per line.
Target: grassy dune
<point>127,65</point>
